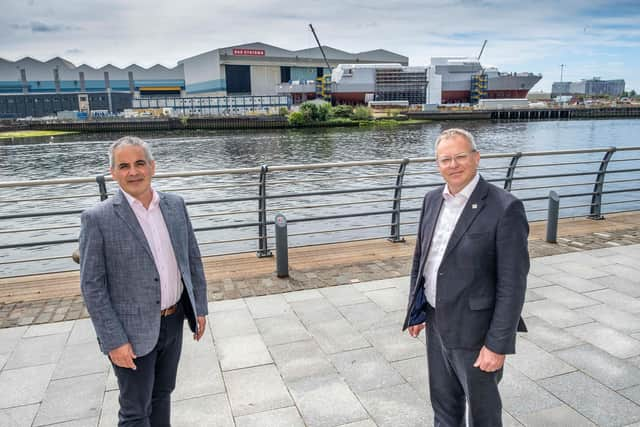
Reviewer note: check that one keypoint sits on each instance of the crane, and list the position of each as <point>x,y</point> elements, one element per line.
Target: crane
<point>320,46</point>
<point>482,50</point>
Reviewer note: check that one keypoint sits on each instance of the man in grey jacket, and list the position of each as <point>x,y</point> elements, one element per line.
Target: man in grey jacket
<point>141,275</point>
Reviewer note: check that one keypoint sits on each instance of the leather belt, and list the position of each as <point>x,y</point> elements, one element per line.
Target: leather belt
<point>169,310</point>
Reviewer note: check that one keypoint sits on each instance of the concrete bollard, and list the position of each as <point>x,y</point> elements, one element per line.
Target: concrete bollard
<point>552,217</point>
<point>282,246</point>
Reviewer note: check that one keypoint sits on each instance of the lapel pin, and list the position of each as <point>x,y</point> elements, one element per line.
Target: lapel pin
<point>474,206</point>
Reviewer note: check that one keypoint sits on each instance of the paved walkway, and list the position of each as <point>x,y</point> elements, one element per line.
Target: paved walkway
<point>335,356</point>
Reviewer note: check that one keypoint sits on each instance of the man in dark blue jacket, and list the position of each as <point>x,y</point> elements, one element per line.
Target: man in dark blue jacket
<point>468,283</point>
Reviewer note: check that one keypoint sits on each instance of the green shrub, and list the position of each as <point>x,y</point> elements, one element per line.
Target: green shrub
<point>324,112</point>
<point>310,111</point>
<point>344,111</point>
<point>362,113</point>
<point>297,119</point>
<point>283,111</point>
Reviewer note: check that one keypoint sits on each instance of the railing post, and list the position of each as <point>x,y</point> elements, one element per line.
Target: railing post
<point>596,198</point>
<point>511,171</point>
<point>263,250</point>
<point>102,187</point>
<point>397,198</point>
<point>552,217</point>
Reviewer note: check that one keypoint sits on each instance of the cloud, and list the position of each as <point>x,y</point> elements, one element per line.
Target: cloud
<point>41,27</point>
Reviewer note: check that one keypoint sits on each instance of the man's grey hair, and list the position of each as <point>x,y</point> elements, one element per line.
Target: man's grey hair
<point>129,140</point>
<point>449,133</point>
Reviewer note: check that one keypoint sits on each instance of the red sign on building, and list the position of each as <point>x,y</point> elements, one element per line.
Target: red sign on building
<point>248,52</point>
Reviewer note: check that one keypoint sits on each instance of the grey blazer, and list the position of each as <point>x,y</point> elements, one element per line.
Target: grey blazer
<point>118,276</point>
<point>483,275</point>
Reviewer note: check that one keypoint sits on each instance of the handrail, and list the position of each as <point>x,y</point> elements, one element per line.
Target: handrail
<point>322,206</point>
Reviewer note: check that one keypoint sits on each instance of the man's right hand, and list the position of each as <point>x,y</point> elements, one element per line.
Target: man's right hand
<point>414,330</point>
<point>123,356</point>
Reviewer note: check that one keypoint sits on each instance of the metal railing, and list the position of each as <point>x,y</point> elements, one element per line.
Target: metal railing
<point>233,209</point>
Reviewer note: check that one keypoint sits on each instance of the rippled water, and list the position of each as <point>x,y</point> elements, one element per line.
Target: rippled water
<point>86,155</point>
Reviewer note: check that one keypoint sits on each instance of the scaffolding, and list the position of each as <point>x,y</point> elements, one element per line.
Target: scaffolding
<point>401,84</point>
<point>479,87</point>
<point>323,87</point>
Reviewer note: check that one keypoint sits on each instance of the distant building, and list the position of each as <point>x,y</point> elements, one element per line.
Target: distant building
<point>593,87</point>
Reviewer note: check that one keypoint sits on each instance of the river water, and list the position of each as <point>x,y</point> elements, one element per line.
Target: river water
<point>86,155</point>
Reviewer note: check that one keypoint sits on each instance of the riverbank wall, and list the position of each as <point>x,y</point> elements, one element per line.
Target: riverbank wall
<point>281,122</point>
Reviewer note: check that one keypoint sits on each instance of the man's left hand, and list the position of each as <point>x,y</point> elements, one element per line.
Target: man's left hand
<point>489,361</point>
<point>202,321</point>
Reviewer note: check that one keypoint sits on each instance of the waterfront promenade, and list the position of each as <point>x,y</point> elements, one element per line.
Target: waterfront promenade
<point>335,356</point>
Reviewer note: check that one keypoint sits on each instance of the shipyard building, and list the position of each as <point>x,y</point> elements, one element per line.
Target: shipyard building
<point>592,87</point>
<point>29,87</point>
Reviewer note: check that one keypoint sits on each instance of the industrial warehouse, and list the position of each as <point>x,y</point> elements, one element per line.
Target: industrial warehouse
<point>249,78</point>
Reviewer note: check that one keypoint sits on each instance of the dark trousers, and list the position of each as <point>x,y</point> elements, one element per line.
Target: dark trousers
<point>455,384</point>
<point>145,394</point>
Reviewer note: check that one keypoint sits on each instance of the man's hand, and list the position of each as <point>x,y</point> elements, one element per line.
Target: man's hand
<point>414,330</point>
<point>489,361</point>
<point>202,321</point>
<point>123,356</point>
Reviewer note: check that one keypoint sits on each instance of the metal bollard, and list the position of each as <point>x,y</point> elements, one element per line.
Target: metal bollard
<point>282,246</point>
<point>552,217</point>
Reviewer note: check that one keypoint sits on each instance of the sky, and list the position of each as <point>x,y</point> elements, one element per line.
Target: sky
<point>592,38</point>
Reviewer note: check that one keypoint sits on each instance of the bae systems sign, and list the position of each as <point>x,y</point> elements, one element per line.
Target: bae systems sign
<point>248,52</point>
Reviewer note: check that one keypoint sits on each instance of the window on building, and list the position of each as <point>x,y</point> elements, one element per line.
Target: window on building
<point>285,74</point>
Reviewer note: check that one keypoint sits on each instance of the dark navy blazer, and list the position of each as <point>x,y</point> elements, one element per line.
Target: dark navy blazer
<point>483,275</point>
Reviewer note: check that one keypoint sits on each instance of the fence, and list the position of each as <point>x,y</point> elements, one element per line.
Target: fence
<point>233,209</point>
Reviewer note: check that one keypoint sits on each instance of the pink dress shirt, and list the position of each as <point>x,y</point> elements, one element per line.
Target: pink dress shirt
<point>155,230</point>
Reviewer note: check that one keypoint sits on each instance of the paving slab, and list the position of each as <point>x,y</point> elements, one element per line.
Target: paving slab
<point>10,337</point>
<point>337,336</point>
<point>389,299</point>
<point>616,299</point>
<point>344,295</point>
<point>282,329</point>
<point>227,305</point>
<point>536,363</point>
<point>301,359</point>
<point>268,306</point>
<point>397,406</point>
<point>242,352</point>
<point>630,273</point>
<point>537,282</point>
<point>84,422</point>
<point>82,332</point>
<point>35,351</point>
<point>365,316</point>
<point>316,311</point>
<point>565,297</point>
<point>283,417</point>
<point>366,369</point>
<point>48,329</point>
<point>608,339</point>
<point>574,283</point>
<point>374,285</point>
<point>593,400</point>
<point>394,344</point>
<point>619,284</point>
<point>622,321</point>
<point>601,366</point>
<point>198,371</point>
<point>202,412</point>
<point>326,401</point>
<point>71,399</point>
<point>109,410</point>
<point>521,395</point>
<point>415,372</point>
<point>580,270</point>
<point>81,359</point>
<point>24,386</point>
<point>560,416</point>
<point>18,416</point>
<point>256,389</point>
<point>303,295</point>
<point>556,314</point>
<point>232,323</point>
<point>548,337</point>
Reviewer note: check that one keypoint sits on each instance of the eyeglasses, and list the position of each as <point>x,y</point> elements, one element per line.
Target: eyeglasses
<point>458,158</point>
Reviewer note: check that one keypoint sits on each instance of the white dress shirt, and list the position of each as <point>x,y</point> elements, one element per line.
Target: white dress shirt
<point>452,207</point>
<point>155,230</point>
